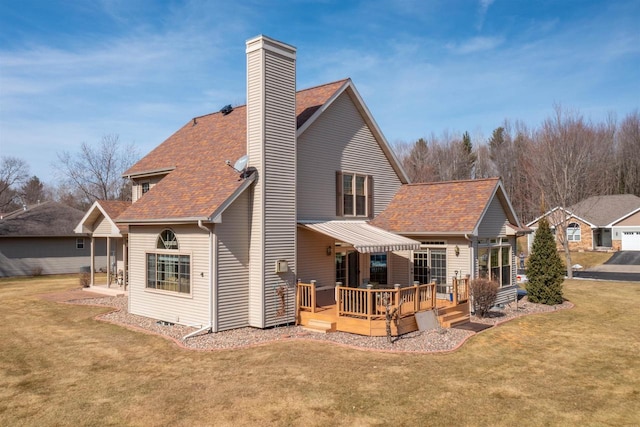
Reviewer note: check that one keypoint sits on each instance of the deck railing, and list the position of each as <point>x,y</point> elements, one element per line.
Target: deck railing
<point>460,290</point>
<point>371,304</point>
<point>306,297</point>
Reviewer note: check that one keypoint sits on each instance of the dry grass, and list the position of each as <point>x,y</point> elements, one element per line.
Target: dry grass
<point>588,259</point>
<point>58,366</point>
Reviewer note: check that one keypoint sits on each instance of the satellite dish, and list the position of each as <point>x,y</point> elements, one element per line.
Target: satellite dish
<point>241,164</point>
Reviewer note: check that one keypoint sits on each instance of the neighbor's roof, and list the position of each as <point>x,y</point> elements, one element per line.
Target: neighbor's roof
<point>603,210</point>
<point>48,219</point>
<point>451,207</point>
<point>199,181</point>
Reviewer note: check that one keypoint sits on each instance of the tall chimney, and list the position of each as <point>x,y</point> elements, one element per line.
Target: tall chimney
<point>271,145</point>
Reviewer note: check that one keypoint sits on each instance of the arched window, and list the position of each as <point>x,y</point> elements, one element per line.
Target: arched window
<point>167,240</point>
<point>168,271</point>
<point>573,232</point>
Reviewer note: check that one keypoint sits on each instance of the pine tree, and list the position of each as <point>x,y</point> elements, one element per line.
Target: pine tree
<point>545,270</point>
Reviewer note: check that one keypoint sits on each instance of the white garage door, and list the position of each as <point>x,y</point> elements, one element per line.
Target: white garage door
<point>631,240</point>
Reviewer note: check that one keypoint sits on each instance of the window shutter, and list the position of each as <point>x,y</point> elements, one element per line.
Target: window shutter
<point>370,196</point>
<point>339,189</point>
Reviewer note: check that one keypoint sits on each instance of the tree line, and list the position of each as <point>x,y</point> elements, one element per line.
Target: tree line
<point>564,160</point>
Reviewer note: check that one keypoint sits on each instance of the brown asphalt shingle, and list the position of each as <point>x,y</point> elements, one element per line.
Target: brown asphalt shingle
<point>200,180</point>
<point>438,207</point>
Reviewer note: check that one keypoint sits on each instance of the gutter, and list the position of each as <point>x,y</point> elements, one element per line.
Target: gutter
<point>210,326</point>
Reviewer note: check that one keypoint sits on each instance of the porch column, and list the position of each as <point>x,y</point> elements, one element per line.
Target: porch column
<point>93,261</point>
<point>108,262</point>
<point>124,263</point>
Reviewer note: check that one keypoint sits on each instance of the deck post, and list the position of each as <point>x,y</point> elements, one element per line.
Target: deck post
<point>297,301</point>
<point>455,291</point>
<point>434,303</point>
<point>416,304</point>
<point>313,296</point>
<point>369,304</point>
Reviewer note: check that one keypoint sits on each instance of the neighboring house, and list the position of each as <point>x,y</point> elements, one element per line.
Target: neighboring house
<point>597,223</point>
<point>40,239</point>
<point>219,248</point>
<point>464,227</point>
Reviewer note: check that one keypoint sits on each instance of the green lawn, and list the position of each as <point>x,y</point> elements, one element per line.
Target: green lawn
<point>58,366</point>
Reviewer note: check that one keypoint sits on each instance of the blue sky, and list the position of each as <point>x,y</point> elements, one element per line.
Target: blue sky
<point>73,71</point>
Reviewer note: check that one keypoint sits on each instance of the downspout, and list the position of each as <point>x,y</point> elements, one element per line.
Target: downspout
<point>472,262</point>
<point>209,327</point>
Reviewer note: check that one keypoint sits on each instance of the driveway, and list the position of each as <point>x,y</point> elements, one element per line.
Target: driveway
<point>623,265</point>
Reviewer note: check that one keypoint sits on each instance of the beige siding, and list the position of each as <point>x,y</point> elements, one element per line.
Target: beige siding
<point>339,140</point>
<point>255,93</point>
<point>171,307</point>
<point>102,227</point>
<point>313,262</point>
<point>494,221</point>
<point>462,263</point>
<point>633,220</point>
<point>400,267</point>
<point>232,297</point>
<point>271,127</point>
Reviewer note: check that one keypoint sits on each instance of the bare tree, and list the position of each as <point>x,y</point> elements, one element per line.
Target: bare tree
<point>566,155</point>
<point>96,171</point>
<point>628,155</point>
<point>13,172</point>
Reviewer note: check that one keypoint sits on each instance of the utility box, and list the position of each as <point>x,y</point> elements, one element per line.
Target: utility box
<point>282,266</point>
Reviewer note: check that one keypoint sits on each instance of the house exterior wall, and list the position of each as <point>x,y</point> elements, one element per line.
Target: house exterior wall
<point>102,227</point>
<point>271,145</point>
<point>633,220</point>
<point>24,256</point>
<point>494,221</point>
<point>461,263</point>
<point>172,307</point>
<point>584,244</point>
<point>400,264</point>
<point>313,261</point>
<point>232,270</point>
<point>617,235</point>
<point>339,140</point>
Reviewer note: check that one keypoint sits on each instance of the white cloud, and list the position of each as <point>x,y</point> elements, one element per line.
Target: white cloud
<point>475,44</point>
<point>482,12</point>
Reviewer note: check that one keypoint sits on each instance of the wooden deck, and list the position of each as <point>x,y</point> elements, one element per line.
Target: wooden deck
<point>364,311</point>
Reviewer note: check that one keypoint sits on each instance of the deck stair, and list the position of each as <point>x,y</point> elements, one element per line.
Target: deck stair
<point>320,326</point>
<point>453,316</point>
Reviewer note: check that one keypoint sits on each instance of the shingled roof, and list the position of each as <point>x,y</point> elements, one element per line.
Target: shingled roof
<point>46,219</point>
<point>199,181</point>
<point>601,211</point>
<point>451,207</point>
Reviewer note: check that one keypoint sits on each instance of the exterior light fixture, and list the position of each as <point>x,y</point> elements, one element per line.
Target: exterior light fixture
<point>329,251</point>
<point>457,250</point>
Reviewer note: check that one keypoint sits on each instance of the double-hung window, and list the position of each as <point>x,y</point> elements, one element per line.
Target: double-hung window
<point>354,194</point>
<point>167,268</point>
<point>574,232</point>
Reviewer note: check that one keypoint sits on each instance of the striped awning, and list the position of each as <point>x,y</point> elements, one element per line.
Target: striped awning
<point>364,237</point>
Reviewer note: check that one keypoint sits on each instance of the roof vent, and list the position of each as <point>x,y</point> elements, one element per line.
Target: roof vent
<point>226,109</point>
